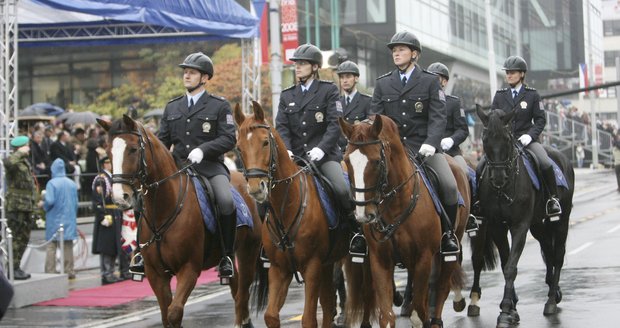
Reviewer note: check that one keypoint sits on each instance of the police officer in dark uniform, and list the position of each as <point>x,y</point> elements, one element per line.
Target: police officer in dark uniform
<point>201,128</point>
<point>356,104</point>
<point>307,121</point>
<point>527,124</point>
<point>414,99</point>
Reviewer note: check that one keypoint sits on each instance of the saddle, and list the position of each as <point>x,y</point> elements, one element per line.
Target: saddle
<point>325,189</point>
<point>429,176</point>
<point>535,173</point>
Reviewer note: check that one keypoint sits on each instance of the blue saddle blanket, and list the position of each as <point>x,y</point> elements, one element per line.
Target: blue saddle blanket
<point>471,174</point>
<point>326,202</point>
<point>431,190</point>
<point>244,216</point>
<point>560,180</point>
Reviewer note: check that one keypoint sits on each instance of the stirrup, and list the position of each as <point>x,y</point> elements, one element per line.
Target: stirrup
<point>358,256</point>
<point>136,267</point>
<point>225,278</point>
<point>553,216</point>
<point>472,226</point>
<point>449,256</point>
<point>264,258</point>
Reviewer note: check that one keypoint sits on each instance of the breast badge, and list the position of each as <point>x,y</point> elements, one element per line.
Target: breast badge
<point>418,107</point>
<point>319,117</point>
<point>206,127</point>
<point>523,105</point>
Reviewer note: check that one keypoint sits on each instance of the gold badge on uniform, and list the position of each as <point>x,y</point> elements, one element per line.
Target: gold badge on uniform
<point>523,105</point>
<point>319,117</point>
<point>206,127</point>
<point>418,107</point>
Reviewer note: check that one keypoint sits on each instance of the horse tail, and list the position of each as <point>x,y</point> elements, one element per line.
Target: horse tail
<point>360,293</point>
<point>457,280</point>
<point>260,288</point>
<point>482,245</point>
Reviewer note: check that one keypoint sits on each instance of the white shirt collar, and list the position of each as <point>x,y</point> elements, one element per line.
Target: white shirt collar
<point>305,87</point>
<point>195,97</point>
<point>350,95</point>
<point>407,74</point>
<point>517,88</point>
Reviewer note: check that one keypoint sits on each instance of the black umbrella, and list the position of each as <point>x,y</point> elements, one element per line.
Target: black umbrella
<point>85,118</point>
<point>41,109</point>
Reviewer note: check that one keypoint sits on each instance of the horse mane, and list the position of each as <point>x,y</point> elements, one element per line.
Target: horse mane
<point>495,125</point>
<point>119,126</point>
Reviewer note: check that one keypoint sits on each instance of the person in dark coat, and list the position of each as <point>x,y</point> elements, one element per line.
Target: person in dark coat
<point>307,121</point>
<point>413,98</point>
<point>201,128</point>
<point>62,149</point>
<point>355,104</point>
<point>39,159</point>
<point>527,124</point>
<point>107,224</point>
<point>456,124</point>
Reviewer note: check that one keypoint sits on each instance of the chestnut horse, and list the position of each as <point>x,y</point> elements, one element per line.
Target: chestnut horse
<point>173,233</point>
<point>510,202</point>
<point>398,215</point>
<point>296,235</point>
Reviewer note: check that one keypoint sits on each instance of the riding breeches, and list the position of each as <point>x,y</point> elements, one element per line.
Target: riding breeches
<point>448,192</point>
<point>460,160</point>
<point>333,172</point>
<point>540,153</point>
<point>223,195</point>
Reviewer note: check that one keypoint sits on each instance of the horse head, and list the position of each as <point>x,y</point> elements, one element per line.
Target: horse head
<point>258,151</point>
<point>498,144</point>
<point>368,157</point>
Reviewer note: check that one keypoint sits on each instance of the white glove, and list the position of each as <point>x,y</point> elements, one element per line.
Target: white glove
<point>525,140</point>
<point>316,154</point>
<point>290,154</point>
<point>195,156</point>
<point>447,143</point>
<point>427,150</point>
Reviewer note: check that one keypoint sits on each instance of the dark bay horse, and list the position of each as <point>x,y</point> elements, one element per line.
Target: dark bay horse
<point>175,240</point>
<point>510,202</point>
<point>398,216</point>
<point>296,235</point>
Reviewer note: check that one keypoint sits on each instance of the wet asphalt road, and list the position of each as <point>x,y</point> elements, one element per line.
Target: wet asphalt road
<point>590,283</point>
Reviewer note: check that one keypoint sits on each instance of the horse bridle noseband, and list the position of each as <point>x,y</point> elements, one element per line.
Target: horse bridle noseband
<point>508,165</point>
<point>378,189</point>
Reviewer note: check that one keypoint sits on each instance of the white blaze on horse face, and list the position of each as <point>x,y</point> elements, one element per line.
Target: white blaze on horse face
<point>118,150</point>
<point>249,136</point>
<point>358,163</point>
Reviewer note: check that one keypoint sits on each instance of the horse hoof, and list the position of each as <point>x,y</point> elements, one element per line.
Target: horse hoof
<point>505,320</point>
<point>558,296</point>
<point>550,309</point>
<point>473,311</point>
<point>459,306</point>
<point>514,316</point>
<point>247,325</point>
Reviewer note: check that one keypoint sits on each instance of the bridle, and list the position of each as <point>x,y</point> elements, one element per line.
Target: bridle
<point>378,189</point>
<point>508,167</point>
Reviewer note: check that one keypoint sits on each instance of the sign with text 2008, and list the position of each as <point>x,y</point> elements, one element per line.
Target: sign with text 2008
<point>289,28</point>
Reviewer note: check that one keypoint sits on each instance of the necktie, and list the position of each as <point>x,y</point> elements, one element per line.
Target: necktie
<point>404,80</point>
<point>514,94</point>
<point>348,100</point>
<point>191,105</point>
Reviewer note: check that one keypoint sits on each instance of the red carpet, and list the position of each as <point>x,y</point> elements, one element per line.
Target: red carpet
<point>118,293</point>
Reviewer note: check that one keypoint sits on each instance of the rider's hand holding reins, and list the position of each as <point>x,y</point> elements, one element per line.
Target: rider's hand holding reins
<point>316,154</point>
<point>447,143</point>
<point>427,150</point>
<point>195,156</point>
<point>525,139</point>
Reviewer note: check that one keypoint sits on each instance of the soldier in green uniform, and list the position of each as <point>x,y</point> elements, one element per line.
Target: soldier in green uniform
<point>20,199</point>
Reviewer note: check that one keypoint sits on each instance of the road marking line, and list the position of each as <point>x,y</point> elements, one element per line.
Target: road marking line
<point>581,248</point>
<point>296,318</point>
<point>614,229</point>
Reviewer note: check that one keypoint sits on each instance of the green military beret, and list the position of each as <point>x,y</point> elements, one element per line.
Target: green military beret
<point>19,141</point>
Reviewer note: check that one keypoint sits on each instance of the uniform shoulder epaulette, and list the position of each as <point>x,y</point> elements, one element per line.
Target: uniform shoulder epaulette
<point>217,97</point>
<point>365,95</point>
<point>290,87</point>
<point>384,75</point>
<point>453,97</point>
<point>530,88</point>
<point>502,90</point>
<point>174,99</point>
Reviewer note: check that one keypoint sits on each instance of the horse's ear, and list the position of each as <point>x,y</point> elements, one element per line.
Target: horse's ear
<point>238,114</point>
<point>506,119</point>
<point>483,116</point>
<point>377,126</point>
<point>259,114</point>
<point>129,122</point>
<point>104,124</point>
<point>346,127</point>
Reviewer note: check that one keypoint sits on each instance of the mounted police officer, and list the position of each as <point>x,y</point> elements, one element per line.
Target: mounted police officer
<point>356,104</point>
<point>200,127</point>
<point>527,124</point>
<point>307,121</point>
<point>415,101</point>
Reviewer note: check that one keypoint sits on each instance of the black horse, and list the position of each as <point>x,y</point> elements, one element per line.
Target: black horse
<point>509,201</point>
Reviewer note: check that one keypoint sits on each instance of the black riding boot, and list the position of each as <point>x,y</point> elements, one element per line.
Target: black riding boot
<point>449,243</point>
<point>357,246</point>
<point>552,207</point>
<point>226,268</point>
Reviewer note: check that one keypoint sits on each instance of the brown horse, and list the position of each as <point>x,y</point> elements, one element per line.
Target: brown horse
<point>175,239</point>
<point>296,235</point>
<point>398,215</point>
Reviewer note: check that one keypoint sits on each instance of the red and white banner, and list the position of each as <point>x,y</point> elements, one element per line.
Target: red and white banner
<point>288,8</point>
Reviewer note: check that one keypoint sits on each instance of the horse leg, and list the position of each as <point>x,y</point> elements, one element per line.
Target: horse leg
<point>312,277</point>
<point>477,261</point>
<point>509,314</point>
<point>160,284</point>
<point>186,281</point>
<point>407,308</point>
<point>421,277</point>
<point>247,255</point>
<point>328,295</point>
<point>382,272</point>
<point>279,280</point>
<point>559,250</point>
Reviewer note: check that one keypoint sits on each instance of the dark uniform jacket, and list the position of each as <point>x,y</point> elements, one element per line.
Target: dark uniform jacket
<point>208,126</point>
<point>64,152</point>
<point>21,192</point>
<point>106,240</point>
<point>530,117</point>
<point>418,108</point>
<point>309,121</point>
<point>355,112</point>
<point>456,125</point>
